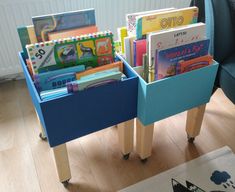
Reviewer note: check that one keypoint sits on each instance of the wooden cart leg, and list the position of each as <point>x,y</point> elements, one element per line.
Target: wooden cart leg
<point>42,134</point>
<point>62,163</point>
<point>144,139</point>
<point>126,135</point>
<point>194,122</point>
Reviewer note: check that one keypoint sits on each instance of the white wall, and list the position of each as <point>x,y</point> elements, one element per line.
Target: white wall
<point>110,14</point>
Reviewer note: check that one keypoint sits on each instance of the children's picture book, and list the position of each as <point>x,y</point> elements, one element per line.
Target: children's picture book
<point>128,49</point>
<point>131,19</point>
<point>165,20</point>
<point>199,62</point>
<point>173,37</point>
<point>94,81</point>
<point>117,64</point>
<point>145,68</point>
<point>72,32</point>
<point>56,79</point>
<point>91,50</point>
<point>167,60</point>
<point>62,21</point>
<point>53,94</point>
<point>122,33</point>
<point>139,51</point>
<point>27,36</point>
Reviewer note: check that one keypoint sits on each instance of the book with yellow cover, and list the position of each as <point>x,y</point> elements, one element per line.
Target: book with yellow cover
<point>165,20</point>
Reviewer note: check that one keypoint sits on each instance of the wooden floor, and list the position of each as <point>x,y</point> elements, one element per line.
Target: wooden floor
<point>27,164</point>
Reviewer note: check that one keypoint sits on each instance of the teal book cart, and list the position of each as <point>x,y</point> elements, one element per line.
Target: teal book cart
<point>166,97</point>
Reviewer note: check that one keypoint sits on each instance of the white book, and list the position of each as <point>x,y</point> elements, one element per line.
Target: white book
<point>131,19</point>
<point>173,37</point>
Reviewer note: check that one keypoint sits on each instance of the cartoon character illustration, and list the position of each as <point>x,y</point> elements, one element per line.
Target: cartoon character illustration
<point>86,51</point>
<point>103,46</point>
<point>67,53</point>
<point>171,70</point>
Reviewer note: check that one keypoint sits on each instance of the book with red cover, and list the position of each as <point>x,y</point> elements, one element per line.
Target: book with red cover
<point>139,51</point>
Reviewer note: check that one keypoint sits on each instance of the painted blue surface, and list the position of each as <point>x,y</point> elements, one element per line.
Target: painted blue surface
<point>78,114</point>
<point>169,96</point>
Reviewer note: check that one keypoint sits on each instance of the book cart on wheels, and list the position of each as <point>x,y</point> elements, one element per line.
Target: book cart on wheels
<point>78,114</point>
<point>169,96</point>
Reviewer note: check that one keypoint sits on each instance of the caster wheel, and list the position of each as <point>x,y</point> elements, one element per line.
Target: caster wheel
<point>42,137</point>
<point>126,157</point>
<point>65,183</point>
<point>144,160</point>
<point>191,139</point>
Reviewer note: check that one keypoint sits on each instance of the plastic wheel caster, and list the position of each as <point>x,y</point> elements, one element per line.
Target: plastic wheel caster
<point>144,160</point>
<point>65,183</point>
<point>191,139</point>
<point>42,137</point>
<point>126,156</point>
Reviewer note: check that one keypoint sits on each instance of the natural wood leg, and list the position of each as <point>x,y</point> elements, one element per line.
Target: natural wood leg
<point>62,162</point>
<point>125,135</point>
<point>144,138</point>
<point>194,121</point>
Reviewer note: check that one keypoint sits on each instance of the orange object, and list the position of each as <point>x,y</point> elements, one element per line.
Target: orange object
<point>101,68</point>
<point>30,67</point>
<point>72,32</point>
<point>199,62</point>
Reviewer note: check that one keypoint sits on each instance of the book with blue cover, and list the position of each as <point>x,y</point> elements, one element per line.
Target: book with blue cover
<point>62,21</point>
<point>57,78</point>
<point>167,61</point>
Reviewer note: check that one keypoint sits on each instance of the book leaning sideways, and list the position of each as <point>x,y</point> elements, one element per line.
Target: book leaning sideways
<point>165,20</point>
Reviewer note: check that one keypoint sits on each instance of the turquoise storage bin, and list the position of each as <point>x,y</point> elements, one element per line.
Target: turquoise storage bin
<point>166,97</point>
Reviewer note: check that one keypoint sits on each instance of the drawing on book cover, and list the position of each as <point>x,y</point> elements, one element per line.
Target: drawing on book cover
<point>62,21</point>
<point>66,53</point>
<point>219,178</point>
<point>103,46</point>
<point>86,49</point>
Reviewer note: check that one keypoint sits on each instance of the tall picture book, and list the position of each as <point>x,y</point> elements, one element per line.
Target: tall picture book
<point>131,19</point>
<point>165,20</point>
<point>173,37</point>
<point>139,51</point>
<point>90,50</point>
<point>27,36</point>
<point>72,32</point>
<point>167,60</point>
<point>62,21</point>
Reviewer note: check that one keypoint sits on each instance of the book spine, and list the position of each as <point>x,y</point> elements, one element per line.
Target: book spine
<point>134,53</point>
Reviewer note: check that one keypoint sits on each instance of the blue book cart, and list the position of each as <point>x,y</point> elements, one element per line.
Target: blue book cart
<point>166,97</point>
<point>74,115</point>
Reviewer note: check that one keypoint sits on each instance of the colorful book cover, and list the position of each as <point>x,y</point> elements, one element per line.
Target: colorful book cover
<point>122,33</point>
<point>145,68</point>
<point>72,32</point>
<point>95,81</point>
<point>90,50</point>
<point>117,46</point>
<point>62,21</point>
<point>199,62</point>
<point>139,51</point>
<point>118,65</point>
<point>27,36</point>
<point>131,20</point>
<point>56,79</point>
<point>165,20</point>
<point>167,60</point>
<point>173,37</point>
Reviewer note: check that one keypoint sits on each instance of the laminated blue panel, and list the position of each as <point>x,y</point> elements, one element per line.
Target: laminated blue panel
<point>166,97</point>
<point>78,114</point>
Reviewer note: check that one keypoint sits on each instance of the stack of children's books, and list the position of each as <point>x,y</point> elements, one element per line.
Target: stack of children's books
<point>66,53</point>
<point>165,42</point>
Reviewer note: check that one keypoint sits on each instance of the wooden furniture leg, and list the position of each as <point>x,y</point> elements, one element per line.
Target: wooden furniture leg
<point>144,139</point>
<point>194,122</point>
<point>62,163</point>
<point>126,135</point>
